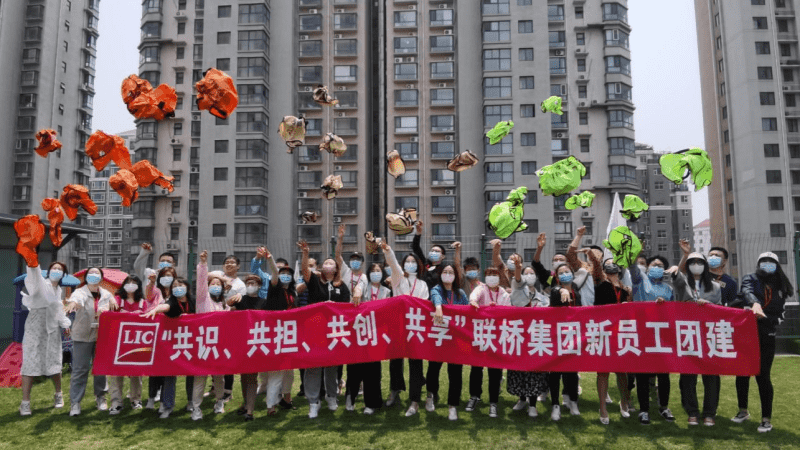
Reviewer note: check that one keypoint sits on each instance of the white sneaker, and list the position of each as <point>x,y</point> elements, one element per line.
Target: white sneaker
<point>333,405</point>
<point>313,410</point>
<point>151,404</point>
<point>608,400</point>
<point>429,405</point>
<point>564,399</point>
<point>115,409</point>
<point>75,409</point>
<point>452,413</point>
<point>158,396</point>
<point>101,404</point>
<point>58,400</point>
<point>492,410</point>
<point>412,409</point>
<point>165,414</point>
<point>189,407</point>
<point>219,407</point>
<point>542,397</point>
<point>161,408</point>
<point>392,398</point>
<point>25,408</point>
<point>556,414</point>
<point>197,414</point>
<point>532,412</point>
<point>573,408</point>
<point>369,411</point>
<point>521,404</point>
<point>348,405</point>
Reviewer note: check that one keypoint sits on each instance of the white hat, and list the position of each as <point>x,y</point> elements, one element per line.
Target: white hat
<point>695,255</point>
<point>769,255</point>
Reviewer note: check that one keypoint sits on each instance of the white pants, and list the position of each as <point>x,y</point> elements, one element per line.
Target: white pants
<point>200,387</point>
<point>277,383</point>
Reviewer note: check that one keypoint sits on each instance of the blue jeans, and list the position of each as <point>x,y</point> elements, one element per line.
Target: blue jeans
<point>82,358</point>
<point>168,391</point>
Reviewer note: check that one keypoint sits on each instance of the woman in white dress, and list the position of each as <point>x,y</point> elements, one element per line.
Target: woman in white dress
<point>41,344</point>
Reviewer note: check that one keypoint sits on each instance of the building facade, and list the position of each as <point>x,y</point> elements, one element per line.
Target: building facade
<point>49,52</point>
<point>750,75</point>
<point>702,236</point>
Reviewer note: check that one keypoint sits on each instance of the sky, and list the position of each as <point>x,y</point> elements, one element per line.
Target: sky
<point>666,75</point>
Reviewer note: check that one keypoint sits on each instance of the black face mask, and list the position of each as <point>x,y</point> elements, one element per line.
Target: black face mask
<point>611,269</point>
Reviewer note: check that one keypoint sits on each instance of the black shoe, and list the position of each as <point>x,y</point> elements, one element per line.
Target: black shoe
<point>286,405</point>
<point>667,415</point>
<point>644,418</point>
<point>472,403</point>
<point>241,411</point>
<point>248,417</point>
<point>226,397</point>
<point>302,393</point>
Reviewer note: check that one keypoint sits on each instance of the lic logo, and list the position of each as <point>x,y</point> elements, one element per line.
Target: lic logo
<point>136,344</point>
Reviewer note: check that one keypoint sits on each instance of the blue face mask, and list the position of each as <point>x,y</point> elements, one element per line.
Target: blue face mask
<point>165,281</point>
<point>164,264</point>
<point>375,277</point>
<point>93,278</point>
<point>410,267</point>
<point>472,274</point>
<point>434,255</point>
<point>300,280</point>
<point>215,290</point>
<point>55,275</point>
<point>768,267</point>
<point>714,262</point>
<point>655,273</point>
<point>179,291</point>
<point>285,278</point>
<point>355,264</point>
<point>388,271</point>
<point>565,278</point>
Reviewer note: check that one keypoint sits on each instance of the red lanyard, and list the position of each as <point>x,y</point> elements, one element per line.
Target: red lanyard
<point>767,295</point>
<point>493,300</point>
<point>374,295</point>
<point>412,288</point>
<point>450,298</point>
<point>186,309</point>
<point>618,293</point>
<point>289,299</point>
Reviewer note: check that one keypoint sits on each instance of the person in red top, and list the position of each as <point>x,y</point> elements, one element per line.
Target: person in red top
<point>130,299</point>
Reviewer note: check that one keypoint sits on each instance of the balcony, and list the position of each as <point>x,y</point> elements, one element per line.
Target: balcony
<point>556,17</point>
<point>345,48</point>
<point>310,3</point>
<point>558,124</point>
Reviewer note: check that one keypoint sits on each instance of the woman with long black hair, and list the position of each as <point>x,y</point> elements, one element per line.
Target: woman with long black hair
<point>765,291</point>
<point>130,299</point>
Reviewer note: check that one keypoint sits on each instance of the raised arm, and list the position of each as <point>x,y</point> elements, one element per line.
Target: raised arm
<point>202,300</point>
<point>686,248</point>
<point>497,257</point>
<point>273,268</point>
<point>415,242</point>
<point>517,268</point>
<point>597,267</point>
<point>397,271</point>
<point>457,260</point>
<point>339,239</point>
<point>541,241</point>
<point>572,251</point>
<point>303,245</point>
<point>141,260</point>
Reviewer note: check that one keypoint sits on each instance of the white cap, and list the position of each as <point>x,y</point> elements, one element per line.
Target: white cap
<point>695,255</point>
<point>769,255</point>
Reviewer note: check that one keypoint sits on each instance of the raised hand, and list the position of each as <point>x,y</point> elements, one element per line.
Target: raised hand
<point>204,257</point>
<point>340,232</point>
<point>419,226</point>
<point>147,247</point>
<point>685,246</point>
<point>541,241</point>
<point>581,231</point>
<point>517,260</point>
<point>455,244</point>
<point>302,245</point>
<point>260,251</point>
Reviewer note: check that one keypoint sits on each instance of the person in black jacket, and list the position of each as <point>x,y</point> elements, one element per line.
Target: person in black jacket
<point>433,262</point>
<point>765,292</point>
<point>564,293</point>
<point>543,274</point>
<point>249,301</point>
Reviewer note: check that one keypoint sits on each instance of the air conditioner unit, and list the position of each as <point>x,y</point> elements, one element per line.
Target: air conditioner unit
<point>559,52</point>
<point>165,192</point>
<point>586,214</point>
<point>647,247</point>
<point>645,191</point>
<point>340,88</point>
<point>562,218</point>
<point>303,37</point>
<point>302,168</point>
<point>194,169</point>
<point>308,89</point>
<point>448,192</point>
<point>340,10</point>
<point>583,104</point>
<point>582,77</point>
<point>411,59</point>
<point>302,194</point>
<point>170,219</point>
<point>409,86</point>
<point>594,102</point>
<point>337,167</point>
<point>172,246</point>
<point>442,6</point>
<point>342,114</point>
<point>195,116</point>
<point>180,14</point>
<point>452,217</point>
<point>414,139</point>
<point>412,6</point>
<point>786,88</point>
<point>448,31</point>
<point>448,58</point>
<point>442,85</point>
<point>398,60</point>
<point>312,11</point>
<point>449,137</point>
<point>337,219</point>
<point>337,36</point>
<point>175,141</point>
<point>589,242</point>
<point>558,135</point>
<point>411,33</point>
<point>578,50</point>
<point>192,223</point>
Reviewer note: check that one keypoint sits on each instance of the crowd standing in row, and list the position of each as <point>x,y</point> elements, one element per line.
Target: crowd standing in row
<point>569,282</point>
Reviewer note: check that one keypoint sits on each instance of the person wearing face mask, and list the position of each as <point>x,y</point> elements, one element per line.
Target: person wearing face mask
<point>327,286</point>
<point>472,273</point>
<point>367,373</point>
<point>41,343</point>
<point>130,299</point>
<point>582,270</point>
<point>156,291</point>
<point>255,269</point>
<point>433,262</point>
<point>209,297</point>
<point>406,281</point>
<point>717,261</point>
<point>528,386</point>
<point>506,268</point>
<point>651,287</point>
<point>352,273</point>
<point>564,294</point>
<point>230,271</point>
<point>609,290</point>
<point>88,302</point>
<point>546,276</point>
<point>765,292</point>
<point>180,302</point>
<point>165,260</point>
<point>486,295</point>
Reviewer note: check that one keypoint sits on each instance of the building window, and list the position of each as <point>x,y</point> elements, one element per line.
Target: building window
<point>526,82</point>
<point>223,38</point>
<point>442,44</point>
<point>581,65</point>
<point>441,124</point>
<point>442,70</point>
<point>408,179</point>
<point>250,122</point>
<point>497,59</point>
<point>250,233</point>
<point>252,94</point>
<point>311,22</point>
<point>771,151</point>
<point>765,73</point>
<point>585,146</point>
<point>528,167</point>
<point>618,64</point>
<point>256,13</point>
<point>443,150</point>
<point>405,71</point>
<point>580,39</point>
<point>253,41</point>
<point>251,177</point>
<point>497,87</point>
<point>494,114</point>
<point>527,111</point>
<point>777,230</point>
<point>579,12</point>
<point>617,38</point>
<point>441,97</point>
<point>220,202</point>
<point>405,19</point>
<point>251,149</point>
<point>527,139</point>
<point>526,54</point>
<point>620,119</point>
<point>582,93</point>
<point>341,47</point>
<point>349,178</point>
<point>256,67</point>
<point>409,151</point>
<point>345,74</point>
<point>525,26</point>
<point>767,98</point>
<point>583,118</point>
<point>220,174</point>
<point>497,31</point>
<point>494,197</point>
<point>405,45</point>
<point>499,172</point>
<point>769,124</point>
<point>489,7</point>
<point>407,124</point>
<point>441,17</point>
<point>147,55</point>
<point>345,206</point>
<point>775,203</point>
<point>762,48</point>
<point>623,174</point>
<point>504,147</point>
<point>346,21</point>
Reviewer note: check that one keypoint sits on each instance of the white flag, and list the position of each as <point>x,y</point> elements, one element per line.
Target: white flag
<point>614,220</point>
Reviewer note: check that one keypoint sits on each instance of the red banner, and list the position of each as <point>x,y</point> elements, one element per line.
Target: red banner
<point>631,337</point>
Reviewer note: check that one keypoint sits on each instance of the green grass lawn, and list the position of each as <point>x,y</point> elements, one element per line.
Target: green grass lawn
<point>54,429</point>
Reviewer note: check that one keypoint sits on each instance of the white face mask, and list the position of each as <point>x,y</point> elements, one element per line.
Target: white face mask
<point>557,263</point>
<point>131,287</point>
<point>529,279</point>
<point>696,269</point>
<point>252,289</point>
<point>448,277</point>
<point>492,281</point>
<point>510,264</point>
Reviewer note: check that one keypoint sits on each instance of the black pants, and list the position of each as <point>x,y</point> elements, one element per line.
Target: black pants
<point>454,376</point>
<point>688,385</point>
<point>302,387</point>
<point>370,374</point>
<point>643,390</point>
<point>228,383</point>
<point>570,380</point>
<point>189,389</point>
<point>476,383</point>
<point>397,381</point>
<point>766,342</point>
<point>416,379</point>
<point>154,384</point>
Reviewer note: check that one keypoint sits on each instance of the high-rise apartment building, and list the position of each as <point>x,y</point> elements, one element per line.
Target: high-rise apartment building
<point>750,75</point>
<point>425,78</point>
<point>48,49</point>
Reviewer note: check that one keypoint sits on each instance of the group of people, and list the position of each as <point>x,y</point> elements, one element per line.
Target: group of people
<point>581,277</point>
